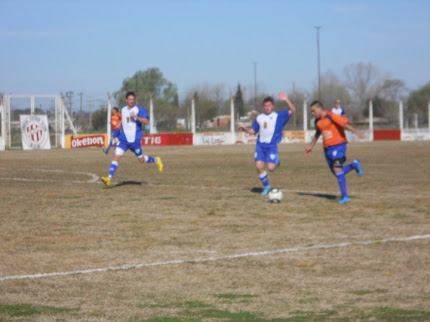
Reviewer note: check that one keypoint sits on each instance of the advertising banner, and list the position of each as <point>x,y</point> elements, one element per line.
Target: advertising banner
<point>212,138</point>
<point>167,139</point>
<point>86,141</point>
<point>393,134</point>
<point>34,132</point>
<point>293,136</point>
<point>415,134</point>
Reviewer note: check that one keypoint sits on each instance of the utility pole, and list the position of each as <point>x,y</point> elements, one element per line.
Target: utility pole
<point>255,84</point>
<point>318,55</point>
<point>80,111</point>
<point>294,98</point>
<point>90,105</point>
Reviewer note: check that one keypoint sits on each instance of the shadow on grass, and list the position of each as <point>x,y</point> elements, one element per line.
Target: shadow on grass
<point>129,183</point>
<point>318,195</point>
<point>257,190</point>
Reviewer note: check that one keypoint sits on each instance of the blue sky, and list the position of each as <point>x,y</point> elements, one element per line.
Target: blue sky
<point>90,46</point>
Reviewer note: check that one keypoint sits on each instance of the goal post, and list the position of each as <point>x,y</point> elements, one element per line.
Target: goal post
<point>2,124</point>
<point>53,106</point>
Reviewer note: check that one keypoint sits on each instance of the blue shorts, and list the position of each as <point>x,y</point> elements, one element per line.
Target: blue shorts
<point>335,155</point>
<point>123,146</point>
<point>267,153</point>
<point>115,133</point>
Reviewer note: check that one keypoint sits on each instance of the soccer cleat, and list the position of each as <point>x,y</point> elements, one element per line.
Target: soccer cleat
<point>105,151</point>
<point>159,164</point>
<point>358,169</point>
<point>266,190</point>
<point>106,181</point>
<point>344,200</point>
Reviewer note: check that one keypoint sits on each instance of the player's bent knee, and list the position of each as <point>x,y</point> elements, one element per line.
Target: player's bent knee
<point>271,168</point>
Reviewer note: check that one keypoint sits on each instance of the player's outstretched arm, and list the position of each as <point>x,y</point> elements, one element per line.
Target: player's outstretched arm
<point>308,150</point>
<point>349,127</point>
<point>284,97</point>
<point>245,129</point>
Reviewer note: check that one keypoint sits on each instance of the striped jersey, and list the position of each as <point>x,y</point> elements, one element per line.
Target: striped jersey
<point>269,126</point>
<point>131,129</point>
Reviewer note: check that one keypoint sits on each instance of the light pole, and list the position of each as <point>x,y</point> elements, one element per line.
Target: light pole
<point>318,55</point>
<point>255,84</point>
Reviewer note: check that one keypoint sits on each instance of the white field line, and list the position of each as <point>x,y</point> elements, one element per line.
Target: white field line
<point>212,259</point>
<point>94,177</point>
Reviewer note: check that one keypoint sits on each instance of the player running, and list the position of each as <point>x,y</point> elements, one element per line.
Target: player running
<point>332,126</point>
<point>268,126</point>
<point>130,137</point>
<point>115,121</point>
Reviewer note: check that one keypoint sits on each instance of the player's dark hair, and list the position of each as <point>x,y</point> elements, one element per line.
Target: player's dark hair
<point>116,109</point>
<point>268,99</point>
<point>317,104</point>
<point>130,94</point>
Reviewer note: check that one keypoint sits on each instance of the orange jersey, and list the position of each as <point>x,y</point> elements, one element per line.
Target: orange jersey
<point>331,128</point>
<point>115,120</point>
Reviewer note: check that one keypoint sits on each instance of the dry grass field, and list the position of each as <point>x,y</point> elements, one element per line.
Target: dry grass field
<point>199,243</point>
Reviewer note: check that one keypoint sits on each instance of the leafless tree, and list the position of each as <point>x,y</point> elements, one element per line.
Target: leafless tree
<point>363,81</point>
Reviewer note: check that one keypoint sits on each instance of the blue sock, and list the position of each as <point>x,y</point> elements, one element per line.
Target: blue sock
<point>112,169</point>
<point>348,168</point>
<point>342,183</point>
<point>264,179</point>
<point>149,159</point>
<point>109,146</point>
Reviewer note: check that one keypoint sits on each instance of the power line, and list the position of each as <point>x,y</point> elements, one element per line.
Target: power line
<point>255,84</point>
<point>318,56</point>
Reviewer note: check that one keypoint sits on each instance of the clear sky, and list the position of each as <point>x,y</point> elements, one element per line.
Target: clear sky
<point>90,46</point>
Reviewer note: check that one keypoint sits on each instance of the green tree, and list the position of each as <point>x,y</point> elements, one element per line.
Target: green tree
<point>418,102</point>
<point>151,83</point>
<point>99,119</point>
<point>239,105</point>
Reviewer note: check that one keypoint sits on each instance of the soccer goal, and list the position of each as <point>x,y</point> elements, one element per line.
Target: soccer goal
<point>34,121</point>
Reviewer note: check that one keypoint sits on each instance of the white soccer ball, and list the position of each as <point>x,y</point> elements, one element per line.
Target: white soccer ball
<point>275,195</point>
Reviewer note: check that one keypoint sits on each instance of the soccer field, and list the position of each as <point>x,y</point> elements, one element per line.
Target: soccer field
<point>198,241</point>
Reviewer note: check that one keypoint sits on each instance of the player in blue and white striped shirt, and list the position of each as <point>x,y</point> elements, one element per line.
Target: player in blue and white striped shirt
<point>269,126</point>
<point>130,138</point>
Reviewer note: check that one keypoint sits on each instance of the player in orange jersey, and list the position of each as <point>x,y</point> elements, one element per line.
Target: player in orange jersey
<point>115,121</point>
<point>332,127</point>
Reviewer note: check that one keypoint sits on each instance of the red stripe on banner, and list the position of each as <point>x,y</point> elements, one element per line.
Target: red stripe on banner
<point>167,139</point>
<point>392,134</point>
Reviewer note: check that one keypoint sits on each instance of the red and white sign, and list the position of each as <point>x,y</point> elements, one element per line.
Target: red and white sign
<point>87,141</point>
<point>167,139</point>
<point>34,132</point>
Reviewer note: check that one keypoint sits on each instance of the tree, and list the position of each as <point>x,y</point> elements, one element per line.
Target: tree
<point>363,81</point>
<point>239,105</point>
<point>393,89</point>
<point>99,119</point>
<point>151,83</point>
<point>418,102</point>
<point>332,89</point>
<point>210,100</point>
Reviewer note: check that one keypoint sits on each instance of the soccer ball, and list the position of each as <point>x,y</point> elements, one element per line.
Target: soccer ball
<point>275,195</point>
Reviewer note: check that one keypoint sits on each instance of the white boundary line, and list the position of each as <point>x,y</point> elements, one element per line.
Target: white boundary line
<point>212,259</point>
<point>94,177</point>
